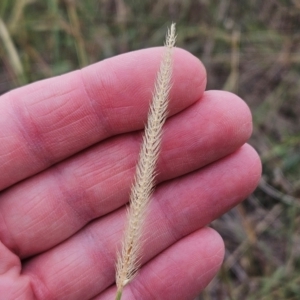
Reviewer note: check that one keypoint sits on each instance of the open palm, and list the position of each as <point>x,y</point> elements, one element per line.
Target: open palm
<point>68,151</point>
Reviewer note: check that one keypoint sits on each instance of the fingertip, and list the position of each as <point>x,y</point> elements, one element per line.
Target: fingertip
<point>231,113</point>
<point>244,169</point>
<point>211,246</point>
<point>232,102</point>
<point>190,74</point>
<point>253,165</point>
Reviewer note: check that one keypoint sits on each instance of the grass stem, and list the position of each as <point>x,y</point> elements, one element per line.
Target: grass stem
<point>119,295</point>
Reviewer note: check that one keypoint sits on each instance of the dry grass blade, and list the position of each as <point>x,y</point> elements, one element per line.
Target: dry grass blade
<point>128,259</point>
<point>11,51</point>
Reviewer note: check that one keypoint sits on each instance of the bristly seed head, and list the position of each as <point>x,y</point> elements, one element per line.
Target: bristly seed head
<point>129,258</point>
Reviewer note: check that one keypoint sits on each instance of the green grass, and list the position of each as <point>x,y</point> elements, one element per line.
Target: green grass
<point>249,47</point>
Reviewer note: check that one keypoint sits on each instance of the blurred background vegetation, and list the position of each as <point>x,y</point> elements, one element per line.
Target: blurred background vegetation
<point>249,47</point>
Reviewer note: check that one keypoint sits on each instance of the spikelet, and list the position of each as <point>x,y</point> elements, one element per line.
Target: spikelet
<point>128,259</point>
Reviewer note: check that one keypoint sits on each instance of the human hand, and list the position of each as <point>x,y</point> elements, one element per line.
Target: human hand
<point>68,154</point>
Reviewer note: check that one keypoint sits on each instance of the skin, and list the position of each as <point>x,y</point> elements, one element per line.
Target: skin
<point>68,151</point>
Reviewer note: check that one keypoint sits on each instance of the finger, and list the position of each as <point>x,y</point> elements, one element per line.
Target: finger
<point>180,272</point>
<point>45,122</point>
<point>84,264</point>
<point>12,285</point>
<point>8,260</point>
<point>63,199</point>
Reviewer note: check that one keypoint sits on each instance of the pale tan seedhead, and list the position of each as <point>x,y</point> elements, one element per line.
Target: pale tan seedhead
<point>129,257</point>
